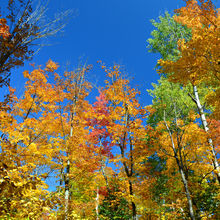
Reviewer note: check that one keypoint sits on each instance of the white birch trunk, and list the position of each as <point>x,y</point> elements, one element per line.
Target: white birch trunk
<point>185,182</point>
<point>206,128</point>
<point>67,193</point>
<point>66,197</point>
<point>97,204</point>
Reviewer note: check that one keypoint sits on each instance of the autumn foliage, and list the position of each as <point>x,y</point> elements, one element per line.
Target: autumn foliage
<point>4,29</point>
<point>67,154</point>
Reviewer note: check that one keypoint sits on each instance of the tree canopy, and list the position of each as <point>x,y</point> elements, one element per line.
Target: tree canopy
<point>64,155</point>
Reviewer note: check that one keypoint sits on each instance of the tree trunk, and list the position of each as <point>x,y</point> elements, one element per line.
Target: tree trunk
<point>97,204</point>
<point>206,128</point>
<point>67,193</point>
<point>128,170</point>
<point>182,173</point>
<point>134,212</point>
<point>185,182</point>
<point>103,167</point>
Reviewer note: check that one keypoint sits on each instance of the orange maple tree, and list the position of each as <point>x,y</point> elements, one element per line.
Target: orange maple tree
<point>26,129</point>
<point>128,131</point>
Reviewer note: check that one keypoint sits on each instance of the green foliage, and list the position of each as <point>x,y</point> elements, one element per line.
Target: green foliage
<point>165,37</point>
<point>114,206</point>
<point>206,198</point>
<point>172,98</point>
<point>160,190</point>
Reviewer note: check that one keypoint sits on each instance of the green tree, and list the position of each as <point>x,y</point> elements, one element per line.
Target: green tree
<point>199,60</point>
<point>172,102</point>
<point>114,206</point>
<point>165,36</point>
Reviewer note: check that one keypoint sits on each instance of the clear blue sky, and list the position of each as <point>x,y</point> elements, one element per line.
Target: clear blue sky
<point>107,30</point>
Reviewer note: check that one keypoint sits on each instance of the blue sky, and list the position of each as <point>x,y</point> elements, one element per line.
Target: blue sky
<point>107,30</point>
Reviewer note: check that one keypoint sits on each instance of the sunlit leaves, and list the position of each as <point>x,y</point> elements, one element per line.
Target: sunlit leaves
<point>199,59</point>
<point>4,29</point>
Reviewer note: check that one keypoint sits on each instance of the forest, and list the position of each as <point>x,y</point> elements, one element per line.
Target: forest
<point>112,158</point>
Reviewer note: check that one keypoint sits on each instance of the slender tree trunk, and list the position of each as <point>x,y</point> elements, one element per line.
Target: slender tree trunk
<point>182,173</point>
<point>106,181</point>
<point>134,212</point>
<point>104,174</point>
<point>67,193</point>
<point>185,182</point>
<point>129,170</point>
<point>77,83</point>
<point>103,167</point>
<point>97,204</point>
<point>206,128</point>
<point>129,173</point>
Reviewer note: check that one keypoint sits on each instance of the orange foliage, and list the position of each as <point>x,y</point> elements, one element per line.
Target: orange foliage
<point>4,29</point>
<point>199,60</point>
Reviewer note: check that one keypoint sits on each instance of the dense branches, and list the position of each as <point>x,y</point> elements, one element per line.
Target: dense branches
<point>27,25</point>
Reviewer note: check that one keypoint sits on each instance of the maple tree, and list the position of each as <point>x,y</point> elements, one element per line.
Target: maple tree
<point>100,139</point>
<point>25,136</point>
<point>77,160</point>
<point>128,130</point>
<point>199,56</point>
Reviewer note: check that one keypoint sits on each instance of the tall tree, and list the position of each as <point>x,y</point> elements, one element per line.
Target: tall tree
<point>177,133</point>
<point>161,42</point>
<point>77,159</point>
<point>26,134</point>
<point>199,58</point>
<point>128,130</point>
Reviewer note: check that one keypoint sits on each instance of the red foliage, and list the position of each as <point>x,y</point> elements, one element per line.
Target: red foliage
<point>99,123</point>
